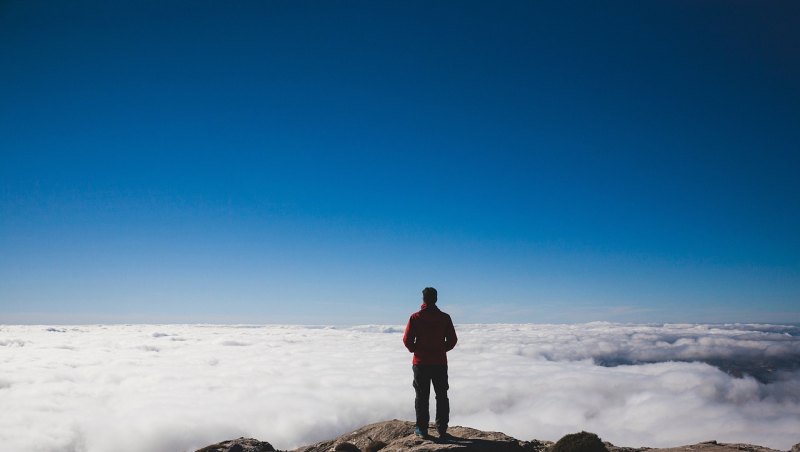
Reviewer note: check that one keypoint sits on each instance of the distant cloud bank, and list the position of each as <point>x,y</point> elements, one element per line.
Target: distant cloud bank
<point>180,387</point>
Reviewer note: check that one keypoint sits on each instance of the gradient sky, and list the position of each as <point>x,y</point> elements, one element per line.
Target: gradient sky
<point>322,162</point>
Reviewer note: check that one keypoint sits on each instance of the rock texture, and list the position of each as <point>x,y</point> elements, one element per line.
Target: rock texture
<point>713,446</point>
<point>579,442</point>
<point>397,436</point>
<point>239,445</point>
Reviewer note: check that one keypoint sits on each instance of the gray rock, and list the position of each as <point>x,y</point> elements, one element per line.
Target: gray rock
<point>398,436</point>
<point>239,445</point>
<point>579,442</point>
<point>714,446</point>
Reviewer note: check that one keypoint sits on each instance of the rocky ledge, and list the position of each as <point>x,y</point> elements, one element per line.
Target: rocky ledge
<point>398,436</point>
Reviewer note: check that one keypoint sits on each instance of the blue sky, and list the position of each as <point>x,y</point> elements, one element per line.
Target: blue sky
<point>322,162</point>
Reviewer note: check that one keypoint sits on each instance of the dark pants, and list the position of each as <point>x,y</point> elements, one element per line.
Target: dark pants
<point>424,374</point>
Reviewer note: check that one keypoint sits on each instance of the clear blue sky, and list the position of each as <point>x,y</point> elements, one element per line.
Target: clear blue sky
<point>322,162</point>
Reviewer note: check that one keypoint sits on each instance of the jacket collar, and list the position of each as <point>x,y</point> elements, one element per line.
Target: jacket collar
<point>428,307</point>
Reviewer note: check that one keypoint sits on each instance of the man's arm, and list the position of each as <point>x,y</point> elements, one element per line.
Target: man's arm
<point>450,335</point>
<point>410,335</point>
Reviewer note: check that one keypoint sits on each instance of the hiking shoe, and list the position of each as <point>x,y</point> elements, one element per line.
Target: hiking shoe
<point>443,433</point>
<point>420,432</point>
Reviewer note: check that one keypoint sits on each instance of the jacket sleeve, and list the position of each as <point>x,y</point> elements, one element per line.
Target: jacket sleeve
<point>450,335</point>
<point>410,335</point>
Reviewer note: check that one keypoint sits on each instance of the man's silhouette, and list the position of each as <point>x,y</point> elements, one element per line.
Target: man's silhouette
<point>430,335</point>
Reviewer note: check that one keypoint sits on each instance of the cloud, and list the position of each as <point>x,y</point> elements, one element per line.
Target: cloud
<point>180,387</point>
<point>757,350</point>
<point>12,343</point>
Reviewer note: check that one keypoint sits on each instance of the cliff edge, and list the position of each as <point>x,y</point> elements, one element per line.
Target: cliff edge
<point>398,436</point>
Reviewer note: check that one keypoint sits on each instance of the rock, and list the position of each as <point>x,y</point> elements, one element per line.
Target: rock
<point>239,445</point>
<point>374,446</point>
<point>714,446</point>
<point>796,448</point>
<point>539,445</point>
<point>614,448</point>
<point>579,442</point>
<point>398,436</point>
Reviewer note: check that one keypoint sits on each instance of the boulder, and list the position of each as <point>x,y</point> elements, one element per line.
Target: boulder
<point>239,445</point>
<point>579,442</point>
<point>398,436</point>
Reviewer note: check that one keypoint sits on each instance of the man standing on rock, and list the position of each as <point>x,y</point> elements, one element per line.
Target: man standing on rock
<point>429,336</point>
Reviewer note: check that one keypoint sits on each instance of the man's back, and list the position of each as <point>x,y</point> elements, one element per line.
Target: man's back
<point>430,335</point>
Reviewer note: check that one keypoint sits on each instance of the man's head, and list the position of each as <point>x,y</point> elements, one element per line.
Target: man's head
<point>429,295</point>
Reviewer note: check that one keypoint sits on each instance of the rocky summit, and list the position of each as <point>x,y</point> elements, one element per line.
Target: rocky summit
<point>398,436</point>
<point>239,445</point>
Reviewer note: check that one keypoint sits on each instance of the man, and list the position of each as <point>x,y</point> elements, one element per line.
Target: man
<point>429,336</point>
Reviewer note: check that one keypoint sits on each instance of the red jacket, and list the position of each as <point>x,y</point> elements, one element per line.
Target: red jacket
<point>430,335</point>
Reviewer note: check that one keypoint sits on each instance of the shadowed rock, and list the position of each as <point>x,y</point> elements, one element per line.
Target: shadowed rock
<point>713,446</point>
<point>579,442</point>
<point>239,445</point>
<point>398,436</point>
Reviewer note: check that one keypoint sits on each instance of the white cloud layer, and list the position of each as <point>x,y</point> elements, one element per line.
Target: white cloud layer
<point>176,387</point>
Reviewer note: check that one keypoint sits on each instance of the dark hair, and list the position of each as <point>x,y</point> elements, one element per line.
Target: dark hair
<point>429,295</point>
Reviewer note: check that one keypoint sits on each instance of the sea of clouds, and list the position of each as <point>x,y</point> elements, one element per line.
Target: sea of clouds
<point>132,388</point>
